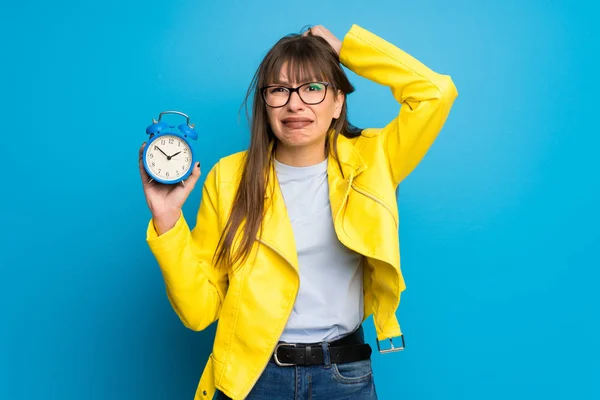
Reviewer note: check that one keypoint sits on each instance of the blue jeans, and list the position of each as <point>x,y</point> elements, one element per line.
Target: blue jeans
<point>348,381</point>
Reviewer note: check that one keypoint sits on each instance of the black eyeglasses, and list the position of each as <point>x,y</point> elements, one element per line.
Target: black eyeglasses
<point>310,93</point>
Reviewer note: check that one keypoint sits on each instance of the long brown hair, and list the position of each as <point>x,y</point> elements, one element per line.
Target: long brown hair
<point>306,58</point>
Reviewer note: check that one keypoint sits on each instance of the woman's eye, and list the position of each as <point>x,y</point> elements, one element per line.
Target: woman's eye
<point>314,87</point>
<point>276,90</point>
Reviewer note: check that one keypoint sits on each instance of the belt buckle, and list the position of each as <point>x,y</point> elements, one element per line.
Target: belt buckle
<point>392,348</point>
<point>277,359</point>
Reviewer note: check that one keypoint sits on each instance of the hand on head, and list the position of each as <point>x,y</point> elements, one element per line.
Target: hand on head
<point>321,31</point>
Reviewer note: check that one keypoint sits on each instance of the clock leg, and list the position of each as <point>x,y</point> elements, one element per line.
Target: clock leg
<point>183,183</point>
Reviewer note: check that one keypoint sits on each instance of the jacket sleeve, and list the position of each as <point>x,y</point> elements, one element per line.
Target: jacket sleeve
<point>424,95</point>
<point>195,288</point>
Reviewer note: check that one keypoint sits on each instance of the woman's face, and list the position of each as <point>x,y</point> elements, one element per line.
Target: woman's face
<point>297,123</point>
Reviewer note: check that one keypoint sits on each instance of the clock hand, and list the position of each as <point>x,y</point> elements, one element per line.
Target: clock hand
<point>159,149</point>
<point>173,155</point>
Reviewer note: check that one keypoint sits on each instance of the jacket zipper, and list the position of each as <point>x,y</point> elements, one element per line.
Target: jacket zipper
<point>283,325</point>
<point>375,199</point>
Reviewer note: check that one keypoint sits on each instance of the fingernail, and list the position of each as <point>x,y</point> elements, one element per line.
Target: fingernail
<point>198,165</point>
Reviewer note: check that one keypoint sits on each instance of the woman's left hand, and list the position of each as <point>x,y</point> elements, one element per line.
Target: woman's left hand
<point>320,30</point>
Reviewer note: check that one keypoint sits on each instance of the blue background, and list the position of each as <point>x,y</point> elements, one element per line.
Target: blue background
<point>499,224</point>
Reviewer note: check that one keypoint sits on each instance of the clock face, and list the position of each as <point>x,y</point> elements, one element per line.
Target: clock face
<point>168,157</point>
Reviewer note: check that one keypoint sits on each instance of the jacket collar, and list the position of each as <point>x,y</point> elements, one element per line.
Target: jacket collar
<point>350,160</point>
<point>278,233</point>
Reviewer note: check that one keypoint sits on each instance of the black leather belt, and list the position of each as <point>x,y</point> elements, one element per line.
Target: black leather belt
<point>347,349</point>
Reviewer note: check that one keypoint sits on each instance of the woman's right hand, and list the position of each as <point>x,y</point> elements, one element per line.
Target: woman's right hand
<point>166,201</point>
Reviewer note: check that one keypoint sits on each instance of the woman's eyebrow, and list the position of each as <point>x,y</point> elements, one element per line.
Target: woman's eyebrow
<point>279,81</point>
<point>282,82</point>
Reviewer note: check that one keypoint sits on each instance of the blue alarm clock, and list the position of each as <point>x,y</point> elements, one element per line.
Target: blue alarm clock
<point>168,157</point>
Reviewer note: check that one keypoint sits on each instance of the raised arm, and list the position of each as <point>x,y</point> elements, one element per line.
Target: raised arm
<point>195,288</point>
<point>425,96</point>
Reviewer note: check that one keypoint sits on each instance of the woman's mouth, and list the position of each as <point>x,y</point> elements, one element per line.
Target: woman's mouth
<point>296,122</point>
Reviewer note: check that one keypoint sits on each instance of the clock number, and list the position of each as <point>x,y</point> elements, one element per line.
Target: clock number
<point>153,163</point>
<point>151,155</point>
<point>177,172</point>
<point>160,169</point>
<point>171,141</point>
<point>179,144</point>
<point>162,141</point>
<point>187,159</point>
<point>167,174</point>
<point>185,150</point>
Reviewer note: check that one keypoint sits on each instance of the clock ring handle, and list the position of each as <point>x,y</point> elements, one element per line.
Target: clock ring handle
<point>174,112</point>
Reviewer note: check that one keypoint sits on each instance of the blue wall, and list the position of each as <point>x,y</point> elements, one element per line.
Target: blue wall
<point>499,224</point>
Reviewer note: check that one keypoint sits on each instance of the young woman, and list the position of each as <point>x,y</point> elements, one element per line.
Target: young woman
<point>296,239</point>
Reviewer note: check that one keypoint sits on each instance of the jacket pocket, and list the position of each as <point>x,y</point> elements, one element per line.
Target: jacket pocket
<point>372,197</point>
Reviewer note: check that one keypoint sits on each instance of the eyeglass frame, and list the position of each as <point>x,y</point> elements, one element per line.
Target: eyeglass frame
<point>292,90</point>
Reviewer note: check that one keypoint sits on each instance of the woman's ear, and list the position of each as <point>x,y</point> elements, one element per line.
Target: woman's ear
<point>339,104</point>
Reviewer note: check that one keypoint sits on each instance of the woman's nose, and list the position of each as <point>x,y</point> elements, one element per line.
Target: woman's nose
<point>295,102</point>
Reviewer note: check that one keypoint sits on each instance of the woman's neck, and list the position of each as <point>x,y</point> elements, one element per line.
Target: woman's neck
<point>300,156</point>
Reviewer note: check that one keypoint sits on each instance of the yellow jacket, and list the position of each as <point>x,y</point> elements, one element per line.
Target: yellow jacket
<point>253,303</point>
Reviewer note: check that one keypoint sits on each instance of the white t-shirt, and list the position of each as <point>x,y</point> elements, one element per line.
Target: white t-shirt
<point>330,300</point>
